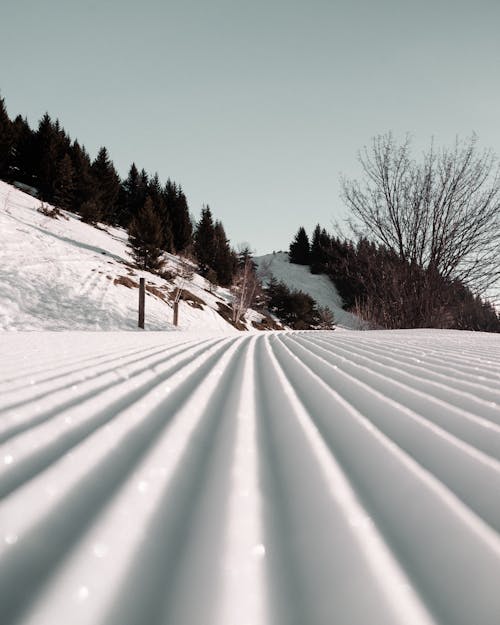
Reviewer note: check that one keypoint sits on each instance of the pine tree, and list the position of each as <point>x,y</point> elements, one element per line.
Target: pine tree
<point>6,141</point>
<point>182,228</point>
<point>204,245</point>
<point>84,189</point>
<point>46,151</point>
<point>316,259</point>
<point>145,238</point>
<point>22,156</point>
<point>223,261</point>
<point>90,212</point>
<point>107,184</point>
<point>299,248</point>
<point>64,195</point>
<point>155,192</point>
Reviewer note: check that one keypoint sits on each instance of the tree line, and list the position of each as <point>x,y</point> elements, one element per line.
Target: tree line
<point>156,215</point>
<point>389,291</point>
<point>425,237</point>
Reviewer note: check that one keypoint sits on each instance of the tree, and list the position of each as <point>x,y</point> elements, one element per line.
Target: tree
<point>22,158</point>
<point>244,289</point>
<point>64,194</point>
<point>84,189</point>
<point>146,238</point>
<point>223,260</point>
<point>204,244</point>
<point>6,141</point>
<point>295,308</point>
<point>177,207</point>
<point>131,197</point>
<point>299,248</point>
<point>440,215</point>
<point>107,184</point>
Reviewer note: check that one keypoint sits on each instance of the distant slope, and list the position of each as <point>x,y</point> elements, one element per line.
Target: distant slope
<point>62,274</point>
<point>298,277</point>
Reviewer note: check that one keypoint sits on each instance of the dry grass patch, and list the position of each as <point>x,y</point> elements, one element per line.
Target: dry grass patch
<point>126,281</point>
<point>186,296</point>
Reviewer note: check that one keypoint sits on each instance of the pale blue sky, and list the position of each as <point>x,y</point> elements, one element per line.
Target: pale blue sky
<point>255,107</point>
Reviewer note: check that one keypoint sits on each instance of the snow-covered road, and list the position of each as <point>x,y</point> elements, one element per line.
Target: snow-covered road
<point>288,479</point>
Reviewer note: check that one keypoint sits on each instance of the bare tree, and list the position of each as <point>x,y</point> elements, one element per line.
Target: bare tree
<point>441,214</point>
<point>244,288</point>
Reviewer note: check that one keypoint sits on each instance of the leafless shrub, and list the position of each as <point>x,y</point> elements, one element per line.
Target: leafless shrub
<point>441,214</point>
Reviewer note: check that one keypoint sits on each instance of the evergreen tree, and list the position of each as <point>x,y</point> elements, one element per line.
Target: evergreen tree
<point>182,228</point>
<point>223,261</point>
<point>107,184</point>
<point>6,141</point>
<point>21,162</point>
<point>204,244</point>
<point>244,256</point>
<point>316,260</point>
<point>155,192</point>
<point>299,248</point>
<point>295,308</point>
<point>90,212</point>
<point>146,238</point>
<point>84,192</point>
<point>46,151</point>
<point>64,195</point>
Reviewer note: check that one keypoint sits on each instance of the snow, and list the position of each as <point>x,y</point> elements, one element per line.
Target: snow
<point>205,476</point>
<point>59,274</point>
<point>294,477</point>
<point>318,286</point>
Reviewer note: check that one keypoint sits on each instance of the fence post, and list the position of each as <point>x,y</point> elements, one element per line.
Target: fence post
<point>142,298</point>
<point>176,313</point>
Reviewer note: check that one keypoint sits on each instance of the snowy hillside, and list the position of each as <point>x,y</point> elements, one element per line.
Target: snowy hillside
<point>315,478</point>
<point>298,277</point>
<point>62,274</point>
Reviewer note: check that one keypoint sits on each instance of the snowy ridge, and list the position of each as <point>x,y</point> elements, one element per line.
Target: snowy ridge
<point>283,478</point>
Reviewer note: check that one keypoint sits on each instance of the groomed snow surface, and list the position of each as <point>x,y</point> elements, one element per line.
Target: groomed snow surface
<point>316,478</point>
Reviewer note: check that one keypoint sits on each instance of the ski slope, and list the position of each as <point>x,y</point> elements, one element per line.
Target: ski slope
<point>315,478</point>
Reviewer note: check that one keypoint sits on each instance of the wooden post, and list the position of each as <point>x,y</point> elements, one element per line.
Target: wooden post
<point>176,313</point>
<point>142,298</point>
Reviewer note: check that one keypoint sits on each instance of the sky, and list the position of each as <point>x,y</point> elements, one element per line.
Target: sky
<point>255,107</point>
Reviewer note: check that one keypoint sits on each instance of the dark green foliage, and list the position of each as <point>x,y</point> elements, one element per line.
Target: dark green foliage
<point>22,155</point>
<point>107,184</point>
<point>320,250</point>
<point>65,176</point>
<point>178,210</point>
<point>83,185</point>
<point>244,256</point>
<point>223,261</point>
<point>146,238</point>
<point>204,243</point>
<point>294,308</point>
<point>299,248</point>
<point>90,212</point>
<point>6,140</point>
<point>131,197</point>
<point>160,207</point>
<point>64,194</point>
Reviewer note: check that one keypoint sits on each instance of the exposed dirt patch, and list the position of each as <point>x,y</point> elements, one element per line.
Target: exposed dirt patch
<point>126,281</point>
<point>186,296</point>
<point>156,291</point>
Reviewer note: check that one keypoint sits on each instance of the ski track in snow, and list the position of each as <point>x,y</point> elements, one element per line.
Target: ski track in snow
<point>302,478</point>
